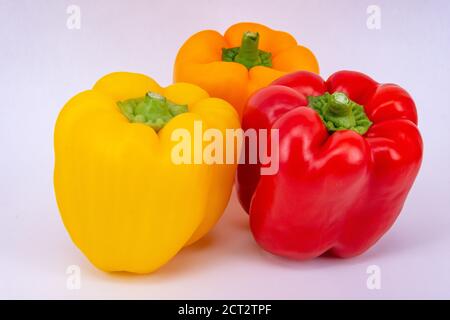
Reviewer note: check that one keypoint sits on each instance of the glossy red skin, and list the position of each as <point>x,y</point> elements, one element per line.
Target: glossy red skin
<point>335,194</point>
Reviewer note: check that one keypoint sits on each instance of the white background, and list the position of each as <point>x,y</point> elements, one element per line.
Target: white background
<point>43,64</point>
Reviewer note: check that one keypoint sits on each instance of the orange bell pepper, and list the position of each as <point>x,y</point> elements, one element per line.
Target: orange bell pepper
<point>248,57</point>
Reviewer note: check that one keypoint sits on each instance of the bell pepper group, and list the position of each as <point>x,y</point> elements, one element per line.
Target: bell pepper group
<point>348,152</point>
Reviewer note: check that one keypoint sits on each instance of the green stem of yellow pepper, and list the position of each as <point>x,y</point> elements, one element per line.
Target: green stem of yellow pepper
<point>153,110</point>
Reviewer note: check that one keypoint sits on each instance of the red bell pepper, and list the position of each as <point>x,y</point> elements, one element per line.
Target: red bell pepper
<point>349,151</point>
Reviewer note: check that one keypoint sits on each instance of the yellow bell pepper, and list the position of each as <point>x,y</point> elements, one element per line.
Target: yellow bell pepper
<point>124,201</point>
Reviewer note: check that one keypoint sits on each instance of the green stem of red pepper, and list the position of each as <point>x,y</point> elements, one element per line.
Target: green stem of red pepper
<point>338,112</point>
<point>248,53</point>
